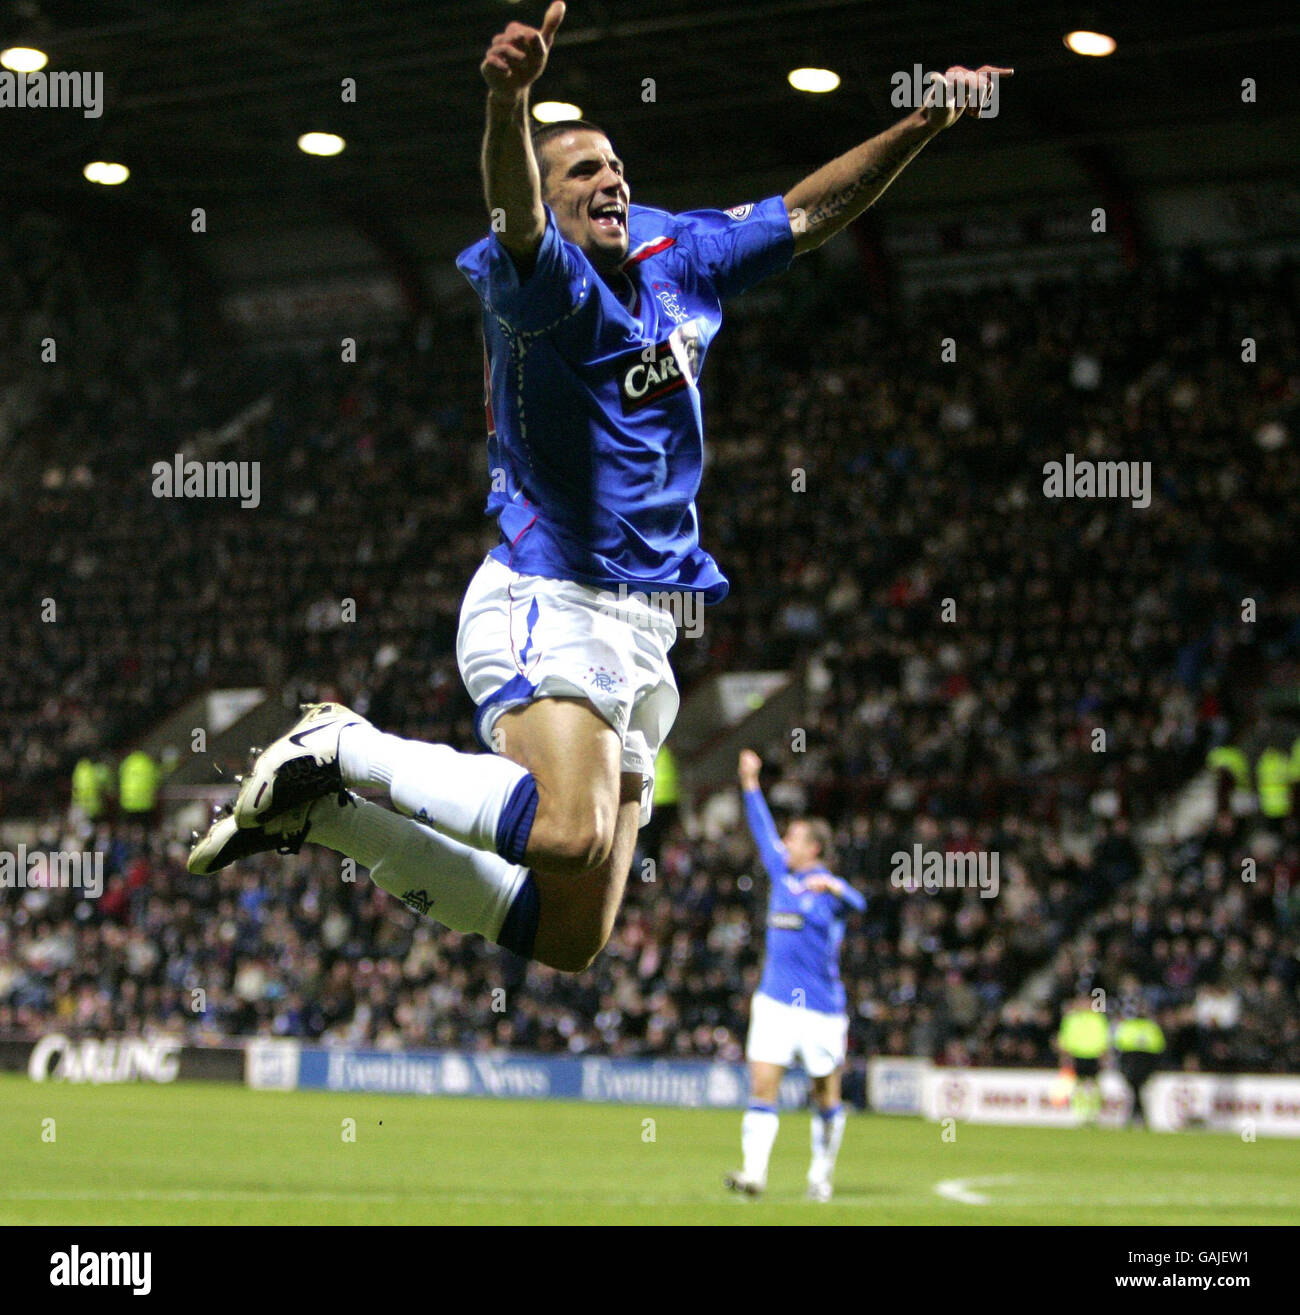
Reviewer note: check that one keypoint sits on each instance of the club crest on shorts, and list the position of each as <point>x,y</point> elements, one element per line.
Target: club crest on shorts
<point>603,679</point>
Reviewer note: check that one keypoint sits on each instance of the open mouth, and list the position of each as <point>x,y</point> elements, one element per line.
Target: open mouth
<point>611,216</point>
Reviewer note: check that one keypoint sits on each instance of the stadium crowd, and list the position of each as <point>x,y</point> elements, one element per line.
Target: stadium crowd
<point>291,947</point>
<point>880,512</point>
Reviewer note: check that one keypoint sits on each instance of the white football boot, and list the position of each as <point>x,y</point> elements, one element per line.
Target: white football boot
<point>225,842</point>
<point>301,766</point>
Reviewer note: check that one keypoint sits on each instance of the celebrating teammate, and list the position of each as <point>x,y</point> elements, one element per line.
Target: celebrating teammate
<point>798,1010</point>
<point>597,314</point>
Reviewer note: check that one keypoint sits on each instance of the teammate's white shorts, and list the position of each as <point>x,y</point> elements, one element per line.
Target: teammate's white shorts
<point>781,1033</point>
<point>524,637</point>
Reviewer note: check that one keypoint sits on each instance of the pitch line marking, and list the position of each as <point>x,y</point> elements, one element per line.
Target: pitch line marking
<point>959,1189</point>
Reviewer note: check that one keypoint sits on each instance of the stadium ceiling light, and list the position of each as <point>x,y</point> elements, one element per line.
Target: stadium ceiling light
<point>1090,43</point>
<point>813,79</point>
<point>555,111</point>
<point>100,171</point>
<point>23,59</point>
<point>321,143</point>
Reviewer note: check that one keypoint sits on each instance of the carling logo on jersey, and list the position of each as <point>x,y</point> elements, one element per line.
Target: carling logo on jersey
<point>644,379</point>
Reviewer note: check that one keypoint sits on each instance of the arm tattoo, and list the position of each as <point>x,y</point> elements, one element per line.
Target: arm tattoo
<point>834,204</point>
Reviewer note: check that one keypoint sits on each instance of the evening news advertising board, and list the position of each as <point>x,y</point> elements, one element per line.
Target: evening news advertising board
<point>1247,1103</point>
<point>699,1084</point>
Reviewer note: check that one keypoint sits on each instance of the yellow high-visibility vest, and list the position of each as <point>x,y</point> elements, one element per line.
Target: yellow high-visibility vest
<point>89,781</point>
<point>1139,1035</point>
<point>1229,758</point>
<point>1084,1034</point>
<point>138,780</point>
<point>1273,777</point>
<point>666,788</point>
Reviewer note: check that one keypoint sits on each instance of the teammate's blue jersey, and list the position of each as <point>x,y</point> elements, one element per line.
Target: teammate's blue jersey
<point>595,435</point>
<point>805,928</point>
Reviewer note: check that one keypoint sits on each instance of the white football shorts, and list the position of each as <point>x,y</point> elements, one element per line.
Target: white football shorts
<point>781,1033</point>
<point>524,637</point>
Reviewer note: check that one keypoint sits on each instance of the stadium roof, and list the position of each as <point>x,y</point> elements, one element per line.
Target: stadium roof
<point>205,103</point>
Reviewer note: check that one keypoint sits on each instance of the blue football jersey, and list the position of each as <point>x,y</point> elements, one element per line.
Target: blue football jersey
<point>595,433</point>
<point>805,928</point>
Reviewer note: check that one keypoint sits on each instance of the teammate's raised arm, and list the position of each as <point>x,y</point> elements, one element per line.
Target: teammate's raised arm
<point>770,850</point>
<point>511,181</point>
<point>834,196</point>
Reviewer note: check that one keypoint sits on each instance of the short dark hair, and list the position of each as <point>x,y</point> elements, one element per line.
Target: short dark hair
<point>544,132</point>
<point>820,830</point>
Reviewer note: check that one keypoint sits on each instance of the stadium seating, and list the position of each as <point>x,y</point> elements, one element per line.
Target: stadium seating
<point>923,482</point>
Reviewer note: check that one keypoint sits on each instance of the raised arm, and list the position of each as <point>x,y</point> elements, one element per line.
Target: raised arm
<point>512,184</point>
<point>761,825</point>
<point>834,196</point>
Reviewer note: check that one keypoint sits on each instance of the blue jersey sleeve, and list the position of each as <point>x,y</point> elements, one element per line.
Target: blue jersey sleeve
<point>557,287</point>
<point>763,829</point>
<point>853,898</point>
<point>736,248</point>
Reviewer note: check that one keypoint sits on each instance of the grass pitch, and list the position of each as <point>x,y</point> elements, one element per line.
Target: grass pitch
<point>212,1154</point>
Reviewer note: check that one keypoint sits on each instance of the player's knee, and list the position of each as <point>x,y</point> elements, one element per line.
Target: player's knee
<point>576,954</point>
<point>575,845</point>
<point>566,962</point>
